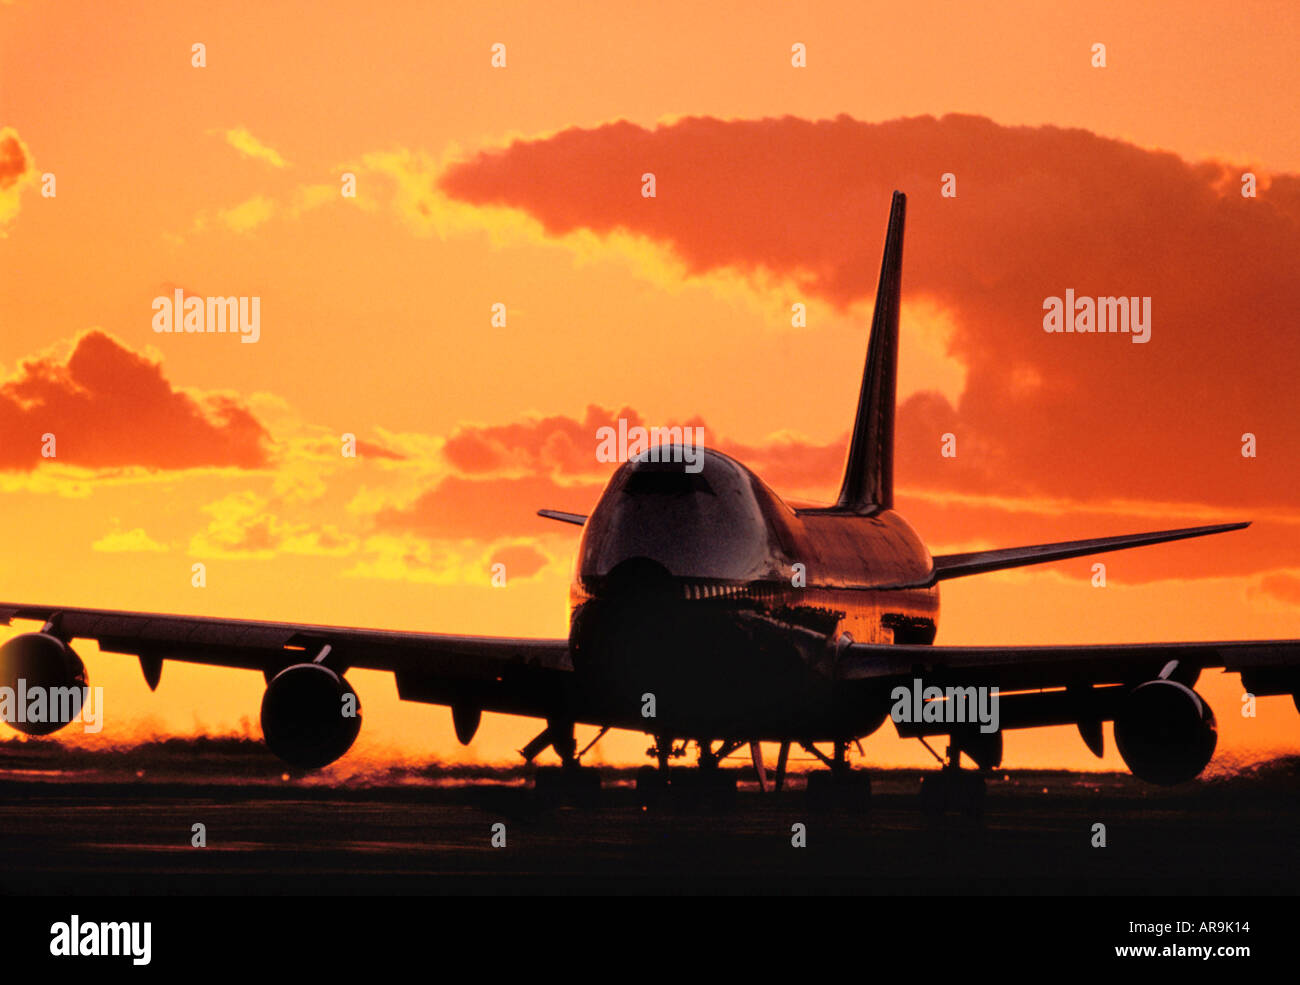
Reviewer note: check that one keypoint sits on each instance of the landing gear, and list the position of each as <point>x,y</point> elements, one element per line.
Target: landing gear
<point>850,790</point>
<point>570,782</point>
<point>706,785</point>
<point>651,786</point>
<point>703,788</point>
<point>840,786</point>
<point>952,789</point>
<point>760,770</point>
<point>652,783</point>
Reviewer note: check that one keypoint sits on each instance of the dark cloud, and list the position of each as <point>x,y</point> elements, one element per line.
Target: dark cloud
<point>486,509</point>
<point>14,162</point>
<point>1039,210</point>
<point>521,560</point>
<point>109,407</point>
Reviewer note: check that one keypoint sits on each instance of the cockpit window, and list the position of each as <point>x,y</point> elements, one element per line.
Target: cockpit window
<point>673,481</point>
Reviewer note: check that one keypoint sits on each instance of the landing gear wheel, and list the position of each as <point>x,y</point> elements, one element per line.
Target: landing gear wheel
<point>568,784</point>
<point>970,800</point>
<point>934,794</point>
<point>705,787</point>
<point>839,789</point>
<point>651,786</point>
<point>959,791</point>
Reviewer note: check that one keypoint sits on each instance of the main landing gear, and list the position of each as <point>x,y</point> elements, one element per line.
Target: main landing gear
<point>839,786</point>
<point>570,782</point>
<point>705,785</point>
<point>952,789</point>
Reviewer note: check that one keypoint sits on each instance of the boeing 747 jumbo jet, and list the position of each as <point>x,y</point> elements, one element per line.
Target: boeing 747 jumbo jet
<point>706,610</point>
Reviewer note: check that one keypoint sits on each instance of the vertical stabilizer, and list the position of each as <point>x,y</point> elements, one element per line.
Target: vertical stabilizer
<point>869,472</point>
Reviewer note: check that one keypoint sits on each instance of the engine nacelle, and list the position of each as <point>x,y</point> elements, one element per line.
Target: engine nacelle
<point>37,664</point>
<point>1166,732</point>
<point>307,717</point>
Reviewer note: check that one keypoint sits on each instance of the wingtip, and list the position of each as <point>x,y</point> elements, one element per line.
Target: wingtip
<point>578,519</point>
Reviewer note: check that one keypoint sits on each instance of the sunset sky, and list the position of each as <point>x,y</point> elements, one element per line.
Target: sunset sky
<point>521,185</point>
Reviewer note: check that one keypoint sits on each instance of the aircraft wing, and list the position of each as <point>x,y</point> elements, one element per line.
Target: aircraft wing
<point>515,676</point>
<point>977,562</point>
<point>1272,664</point>
<point>1065,685</point>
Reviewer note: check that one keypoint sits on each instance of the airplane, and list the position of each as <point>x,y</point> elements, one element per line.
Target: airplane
<point>707,610</point>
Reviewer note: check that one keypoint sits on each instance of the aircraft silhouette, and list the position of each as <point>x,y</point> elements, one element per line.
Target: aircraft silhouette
<point>706,609</point>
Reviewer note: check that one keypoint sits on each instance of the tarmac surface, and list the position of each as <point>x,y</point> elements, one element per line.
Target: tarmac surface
<point>110,830</point>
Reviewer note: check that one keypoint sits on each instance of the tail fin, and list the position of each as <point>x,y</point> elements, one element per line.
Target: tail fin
<point>869,472</point>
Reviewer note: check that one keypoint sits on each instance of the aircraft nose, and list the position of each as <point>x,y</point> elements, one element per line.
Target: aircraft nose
<point>701,523</point>
<point>638,578</point>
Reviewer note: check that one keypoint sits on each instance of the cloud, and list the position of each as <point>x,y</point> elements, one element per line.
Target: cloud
<point>1039,210</point>
<point>249,146</point>
<point>564,446</point>
<point>308,197</point>
<point>369,449</point>
<point>553,445</point>
<point>411,558</point>
<point>1283,586</point>
<point>109,407</point>
<point>506,471</point>
<point>486,509</point>
<point>247,215</point>
<point>243,525</point>
<point>412,177</point>
<point>793,464</point>
<point>16,172</point>
<point>127,541</point>
<point>521,560</point>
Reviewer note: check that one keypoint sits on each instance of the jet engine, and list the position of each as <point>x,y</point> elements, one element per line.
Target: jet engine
<point>310,715</point>
<point>1165,731</point>
<point>38,663</point>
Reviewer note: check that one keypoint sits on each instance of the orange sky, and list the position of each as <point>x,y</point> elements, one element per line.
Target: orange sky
<point>521,186</point>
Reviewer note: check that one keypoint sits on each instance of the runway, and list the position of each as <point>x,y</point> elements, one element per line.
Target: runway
<point>111,832</point>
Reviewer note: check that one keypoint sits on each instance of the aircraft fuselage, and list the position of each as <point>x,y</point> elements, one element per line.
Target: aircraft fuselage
<point>701,601</point>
